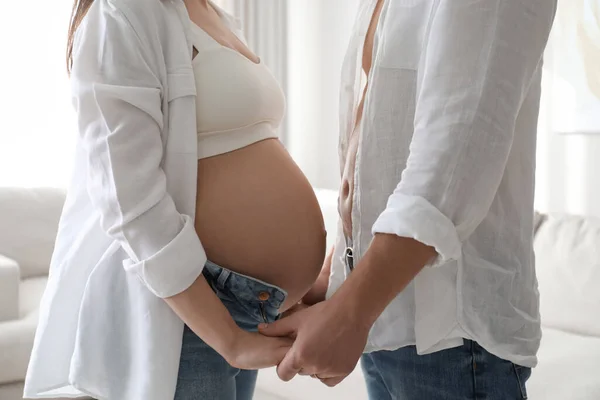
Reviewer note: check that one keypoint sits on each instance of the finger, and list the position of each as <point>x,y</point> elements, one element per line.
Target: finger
<point>331,382</point>
<point>294,309</point>
<point>284,327</point>
<point>280,354</point>
<point>289,367</point>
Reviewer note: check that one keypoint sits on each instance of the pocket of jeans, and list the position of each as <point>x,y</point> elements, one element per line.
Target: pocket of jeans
<point>522,374</point>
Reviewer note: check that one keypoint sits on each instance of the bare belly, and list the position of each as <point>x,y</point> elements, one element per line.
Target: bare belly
<point>347,186</point>
<point>257,215</point>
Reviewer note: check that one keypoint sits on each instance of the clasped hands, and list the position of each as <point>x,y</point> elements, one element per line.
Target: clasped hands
<point>327,339</point>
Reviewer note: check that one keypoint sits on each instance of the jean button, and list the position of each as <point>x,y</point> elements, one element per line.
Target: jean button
<point>264,296</point>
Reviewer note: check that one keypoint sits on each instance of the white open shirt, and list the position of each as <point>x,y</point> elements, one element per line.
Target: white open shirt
<point>447,156</point>
<point>126,238</point>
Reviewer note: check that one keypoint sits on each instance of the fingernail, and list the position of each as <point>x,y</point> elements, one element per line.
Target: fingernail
<point>262,325</point>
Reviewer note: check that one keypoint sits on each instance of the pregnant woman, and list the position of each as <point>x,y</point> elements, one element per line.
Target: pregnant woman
<point>186,223</point>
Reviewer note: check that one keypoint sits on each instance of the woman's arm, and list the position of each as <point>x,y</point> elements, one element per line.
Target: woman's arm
<point>206,315</point>
<point>118,100</point>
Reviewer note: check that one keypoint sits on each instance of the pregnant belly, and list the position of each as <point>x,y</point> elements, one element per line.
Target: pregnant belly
<point>256,214</point>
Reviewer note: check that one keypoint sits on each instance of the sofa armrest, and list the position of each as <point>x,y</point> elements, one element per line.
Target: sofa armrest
<point>10,279</point>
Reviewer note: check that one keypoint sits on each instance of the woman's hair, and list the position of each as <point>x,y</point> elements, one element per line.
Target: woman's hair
<point>80,8</point>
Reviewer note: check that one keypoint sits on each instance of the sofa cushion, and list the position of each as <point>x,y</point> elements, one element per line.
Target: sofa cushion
<point>567,369</point>
<point>29,224</point>
<point>568,268</point>
<point>9,289</point>
<point>16,336</point>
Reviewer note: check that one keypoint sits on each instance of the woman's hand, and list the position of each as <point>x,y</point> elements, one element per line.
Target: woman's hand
<point>252,350</point>
<point>294,309</point>
<point>318,291</point>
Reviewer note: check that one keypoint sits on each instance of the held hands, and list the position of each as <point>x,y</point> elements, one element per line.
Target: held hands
<point>251,350</point>
<point>331,335</point>
<point>328,342</point>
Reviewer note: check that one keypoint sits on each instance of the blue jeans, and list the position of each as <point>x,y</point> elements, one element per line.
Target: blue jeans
<point>467,372</point>
<point>203,373</point>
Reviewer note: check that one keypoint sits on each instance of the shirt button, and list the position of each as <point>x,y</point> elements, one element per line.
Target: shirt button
<point>263,296</point>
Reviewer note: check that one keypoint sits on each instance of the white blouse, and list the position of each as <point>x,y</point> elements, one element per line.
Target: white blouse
<point>447,156</point>
<point>126,237</point>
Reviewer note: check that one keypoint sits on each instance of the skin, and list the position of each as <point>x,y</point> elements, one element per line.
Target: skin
<point>347,184</point>
<point>331,335</point>
<point>243,218</point>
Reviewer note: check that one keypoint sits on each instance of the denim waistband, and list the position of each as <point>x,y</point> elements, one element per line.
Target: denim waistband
<point>245,288</point>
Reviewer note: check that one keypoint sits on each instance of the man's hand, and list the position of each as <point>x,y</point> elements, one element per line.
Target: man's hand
<point>294,309</point>
<point>329,342</point>
<point>331,335</point>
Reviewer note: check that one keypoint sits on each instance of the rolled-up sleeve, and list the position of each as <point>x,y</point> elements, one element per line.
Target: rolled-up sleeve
<point>118,97</point>
<point>478,64</point>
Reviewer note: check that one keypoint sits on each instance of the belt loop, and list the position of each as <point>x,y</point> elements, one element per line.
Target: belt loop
<point>223,275</point>
<point>349,254</point>
<point>349,258</point>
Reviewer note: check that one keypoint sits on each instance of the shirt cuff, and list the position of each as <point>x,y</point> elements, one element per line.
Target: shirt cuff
<point>175,267</point>
<point>416,218</point>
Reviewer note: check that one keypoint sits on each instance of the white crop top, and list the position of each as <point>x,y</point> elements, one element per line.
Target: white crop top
<point>238,102</point>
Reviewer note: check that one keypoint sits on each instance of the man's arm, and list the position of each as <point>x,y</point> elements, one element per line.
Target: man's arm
<point>389,265</point>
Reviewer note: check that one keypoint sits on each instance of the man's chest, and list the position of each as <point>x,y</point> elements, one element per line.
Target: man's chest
<point>368,46</point>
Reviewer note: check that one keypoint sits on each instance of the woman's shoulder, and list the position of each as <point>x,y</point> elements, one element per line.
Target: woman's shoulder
<point>151,22</point>
<point>140,14</point>
<point>115,31</point>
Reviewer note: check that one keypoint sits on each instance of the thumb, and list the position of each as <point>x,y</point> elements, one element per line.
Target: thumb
<point>287,326</point>
<point>289,367</point>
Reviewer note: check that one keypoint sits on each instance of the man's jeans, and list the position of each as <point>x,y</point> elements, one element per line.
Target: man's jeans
<point>467,372</point>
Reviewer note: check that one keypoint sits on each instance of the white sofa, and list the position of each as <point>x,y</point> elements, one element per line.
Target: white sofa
<point>568,260</point>
<point>28,223</point>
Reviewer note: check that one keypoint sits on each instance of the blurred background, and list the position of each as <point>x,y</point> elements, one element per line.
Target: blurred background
<point>304,42</point>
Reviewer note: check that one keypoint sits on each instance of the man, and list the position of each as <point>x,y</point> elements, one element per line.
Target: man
<point>433,271</point>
